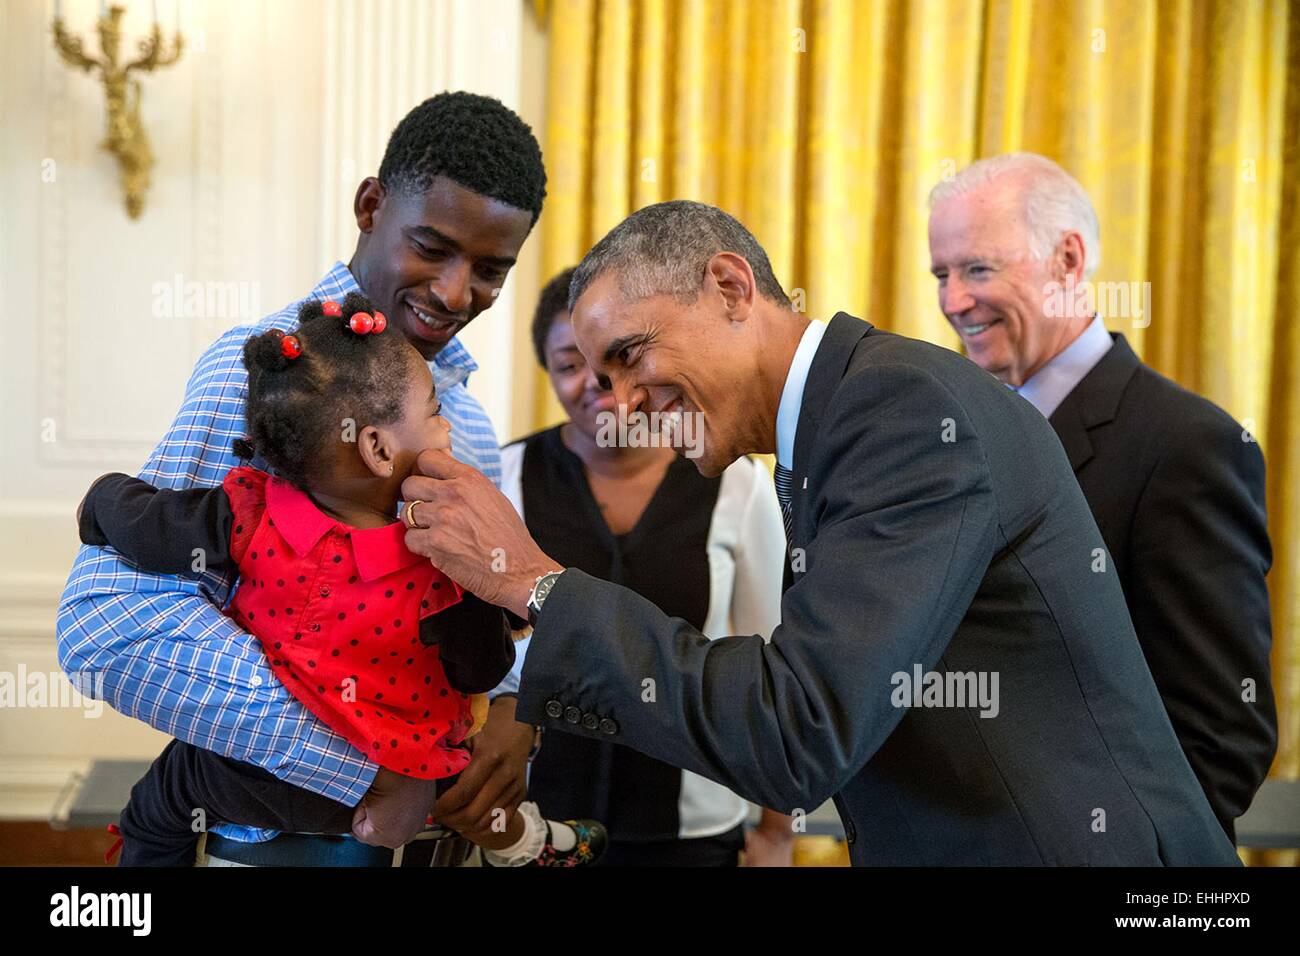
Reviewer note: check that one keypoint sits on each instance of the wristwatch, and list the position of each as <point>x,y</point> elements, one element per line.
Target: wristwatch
<point>537,596</point>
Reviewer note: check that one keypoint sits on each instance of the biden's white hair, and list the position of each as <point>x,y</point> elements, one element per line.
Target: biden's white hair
<point>1053,201</point>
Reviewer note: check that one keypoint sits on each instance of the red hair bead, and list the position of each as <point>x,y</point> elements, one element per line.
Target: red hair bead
<point>332,308</point>
<point>361,323</point>
<point>381,323</point>
<point>290,347</point>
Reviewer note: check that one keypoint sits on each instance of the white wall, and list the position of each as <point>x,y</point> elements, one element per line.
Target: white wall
<point>261,133</point>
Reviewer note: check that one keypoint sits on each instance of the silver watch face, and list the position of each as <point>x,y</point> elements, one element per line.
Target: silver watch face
<point>543,588</point>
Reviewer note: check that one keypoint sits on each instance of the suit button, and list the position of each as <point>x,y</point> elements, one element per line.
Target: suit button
<point>554,708</point>
<point>850,834</point>
<point>572,714</point>
<point>608,726</point>
<point>590,721</point>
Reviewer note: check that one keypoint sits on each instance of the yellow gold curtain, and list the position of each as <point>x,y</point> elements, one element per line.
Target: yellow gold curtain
<point>822,125</point>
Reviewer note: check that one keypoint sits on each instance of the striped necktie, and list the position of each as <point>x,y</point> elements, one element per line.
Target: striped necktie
<point>783,478</point>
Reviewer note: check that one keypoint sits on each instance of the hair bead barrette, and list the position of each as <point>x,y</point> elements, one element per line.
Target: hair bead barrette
<point>362,323</point>
<point>290,347</point>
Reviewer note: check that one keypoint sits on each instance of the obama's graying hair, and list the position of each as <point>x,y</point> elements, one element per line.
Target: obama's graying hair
<point>663,249</point>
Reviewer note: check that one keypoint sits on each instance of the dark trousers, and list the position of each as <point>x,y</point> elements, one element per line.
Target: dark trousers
<point>721,850</point>
<point>160,826</point>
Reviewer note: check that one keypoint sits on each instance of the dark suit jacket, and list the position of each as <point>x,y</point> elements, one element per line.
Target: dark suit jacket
<point>936,525</point>
<point>1179,498</point>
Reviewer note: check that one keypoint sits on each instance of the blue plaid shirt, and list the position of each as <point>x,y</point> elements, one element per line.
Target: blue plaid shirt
<point>163,649</point>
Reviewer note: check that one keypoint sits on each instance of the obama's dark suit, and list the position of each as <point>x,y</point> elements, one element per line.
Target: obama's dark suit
<point>937,525</point>
<point>1177,489</point>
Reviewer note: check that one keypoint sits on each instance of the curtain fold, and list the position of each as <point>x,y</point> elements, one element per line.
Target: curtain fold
<point>823,124</point>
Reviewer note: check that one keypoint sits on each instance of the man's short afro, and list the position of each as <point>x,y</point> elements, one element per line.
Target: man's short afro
<point>473,140</point>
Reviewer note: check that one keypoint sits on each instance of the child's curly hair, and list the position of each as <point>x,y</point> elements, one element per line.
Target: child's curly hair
<point>297,406</point>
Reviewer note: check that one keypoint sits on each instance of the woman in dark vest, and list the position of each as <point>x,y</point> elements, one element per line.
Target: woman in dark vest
<point>708,550</point>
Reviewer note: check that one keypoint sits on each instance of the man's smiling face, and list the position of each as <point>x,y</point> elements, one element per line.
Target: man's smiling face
<point>432,261</point>
<point>991,289</point>
<point>662,355</point>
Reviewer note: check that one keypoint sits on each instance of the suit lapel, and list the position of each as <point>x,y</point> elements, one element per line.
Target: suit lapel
<point>1072,432</point>
<point>1094,401</point>
<point>833,353</point>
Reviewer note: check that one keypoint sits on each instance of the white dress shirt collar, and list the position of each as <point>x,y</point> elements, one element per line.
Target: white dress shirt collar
<point>787,414</point>
<point>1050,385</point>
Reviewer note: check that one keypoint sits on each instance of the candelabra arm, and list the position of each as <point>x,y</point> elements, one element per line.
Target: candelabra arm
<point>71,50</point>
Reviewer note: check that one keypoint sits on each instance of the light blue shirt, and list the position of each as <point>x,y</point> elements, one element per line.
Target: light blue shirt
<point>1049,386</point>
<point>787,414</point>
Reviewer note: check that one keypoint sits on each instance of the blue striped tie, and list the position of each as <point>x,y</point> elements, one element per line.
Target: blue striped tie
<point>783,478</point>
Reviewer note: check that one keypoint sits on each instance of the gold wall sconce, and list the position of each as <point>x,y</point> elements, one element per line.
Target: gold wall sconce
<point>125,135</point>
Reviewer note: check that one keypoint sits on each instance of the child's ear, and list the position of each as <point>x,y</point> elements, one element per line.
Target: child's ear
<point>377,450</point>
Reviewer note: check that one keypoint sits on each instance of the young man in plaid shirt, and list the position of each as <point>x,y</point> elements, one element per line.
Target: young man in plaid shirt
<point>459,189</point>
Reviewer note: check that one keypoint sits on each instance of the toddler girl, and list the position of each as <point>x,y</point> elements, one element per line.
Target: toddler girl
<point>369,636</point>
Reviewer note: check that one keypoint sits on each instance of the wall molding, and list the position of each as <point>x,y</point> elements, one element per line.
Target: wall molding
<point>30,789</point>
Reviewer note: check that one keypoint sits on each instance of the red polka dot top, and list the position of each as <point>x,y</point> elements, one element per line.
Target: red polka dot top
<point>338,610</point>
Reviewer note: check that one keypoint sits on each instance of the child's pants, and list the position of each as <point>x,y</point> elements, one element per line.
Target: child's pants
<point>160,825</point>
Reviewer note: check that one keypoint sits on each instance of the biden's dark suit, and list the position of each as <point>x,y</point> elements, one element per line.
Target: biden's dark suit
<point>1177,488</point>
<point>937,524</point>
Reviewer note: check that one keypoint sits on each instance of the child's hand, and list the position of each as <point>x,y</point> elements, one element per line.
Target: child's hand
<point>81,505</point>
<point>478,708</point>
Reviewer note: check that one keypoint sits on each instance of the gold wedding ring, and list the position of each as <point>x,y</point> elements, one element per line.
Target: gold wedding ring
<point>409,514</point>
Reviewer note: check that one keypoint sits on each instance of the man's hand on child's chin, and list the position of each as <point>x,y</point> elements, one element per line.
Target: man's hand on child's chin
<point>393,810</point>
<point>472,533</point>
